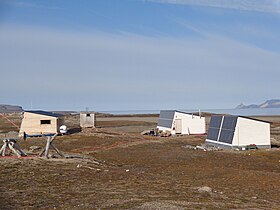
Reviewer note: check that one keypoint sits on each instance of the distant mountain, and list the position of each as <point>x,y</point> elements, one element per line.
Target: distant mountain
<point>10,108</point>
<point>273,103</point>
<point>242,106</point>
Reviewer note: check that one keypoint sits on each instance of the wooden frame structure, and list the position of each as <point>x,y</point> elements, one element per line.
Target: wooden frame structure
<point>49,145</point>
<point>12,146</point>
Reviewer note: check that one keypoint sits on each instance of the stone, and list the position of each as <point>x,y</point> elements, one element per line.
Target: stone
<point>205,189</point>
<point>34,148</point>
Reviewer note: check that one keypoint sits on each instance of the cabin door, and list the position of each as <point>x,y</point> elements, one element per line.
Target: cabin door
<point>178,126</point>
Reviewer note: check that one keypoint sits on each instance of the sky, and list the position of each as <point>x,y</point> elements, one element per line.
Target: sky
<point>138,54</point>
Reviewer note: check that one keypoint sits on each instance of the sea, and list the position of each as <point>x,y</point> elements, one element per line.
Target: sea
<point>241,112</point>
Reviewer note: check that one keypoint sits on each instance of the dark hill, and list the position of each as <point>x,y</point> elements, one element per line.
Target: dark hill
<point>10,108</point>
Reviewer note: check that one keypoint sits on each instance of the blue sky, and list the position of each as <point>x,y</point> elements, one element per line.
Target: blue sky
<point>138,54</point>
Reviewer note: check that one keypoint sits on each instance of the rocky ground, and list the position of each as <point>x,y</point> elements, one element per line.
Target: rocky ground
<point>114,167</point>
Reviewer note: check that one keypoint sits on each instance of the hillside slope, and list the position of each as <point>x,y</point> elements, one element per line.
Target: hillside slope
<point>273,103</point>
<point>10,108</point>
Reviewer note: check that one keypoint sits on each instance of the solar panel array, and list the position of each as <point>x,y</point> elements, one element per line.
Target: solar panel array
<point>228,128</point>
<point>215,121</point>
<point>214,127</point>
<point>222,128</point>
<point>166,118</point>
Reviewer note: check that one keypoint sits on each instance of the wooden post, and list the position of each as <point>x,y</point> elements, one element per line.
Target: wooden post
<point>47,147</point>
<point>57,151</point>
<point>16,146</point>
<point>50,145</point>
<point>11,146</point>
<point>42,152</point>
<point>4,147</point>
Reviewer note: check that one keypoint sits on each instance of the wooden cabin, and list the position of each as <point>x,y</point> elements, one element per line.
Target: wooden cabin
<point>87,119</point>
<point>40,122</point>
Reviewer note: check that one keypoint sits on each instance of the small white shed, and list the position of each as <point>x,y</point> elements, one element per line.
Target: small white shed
<point>87,119</point>
<point>40,122</point>
<point>178,122</point>
<point>238,131</point>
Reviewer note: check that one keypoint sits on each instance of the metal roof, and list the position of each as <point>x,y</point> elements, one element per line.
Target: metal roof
<point>186,113</point>
<point>189,113</point>
<point>40,112</point>
<point>245,117</point>
<point>251,118</point>
<point>85,112</point>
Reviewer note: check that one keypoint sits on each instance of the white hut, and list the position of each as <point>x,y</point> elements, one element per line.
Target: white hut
<point>178,122</point>
<point>87,119</point>
<point>238,132</point>
<point>40,122</point>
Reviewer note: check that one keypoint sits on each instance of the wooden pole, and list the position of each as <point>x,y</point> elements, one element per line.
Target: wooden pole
<point>47,147</point>
<point>4,147</point>
<point>11,146</point>
<point>16,146</point>
<point>50,145</point>
<point>57,151</point>
<point>42,152</point>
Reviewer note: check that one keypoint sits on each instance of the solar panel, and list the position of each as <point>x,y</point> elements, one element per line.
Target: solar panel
<point>166,118</point>
<point>229,122</point>
<point>213,134</point>
<point>215,121</point>
<point>165,123</point>
<point>214,127</point>
<point>226,129</point>
<point>226,136</point>
<point>167,114</point>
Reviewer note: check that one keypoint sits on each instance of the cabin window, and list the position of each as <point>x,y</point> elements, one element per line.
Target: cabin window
<point>88,115</point>
<point>45,122</point>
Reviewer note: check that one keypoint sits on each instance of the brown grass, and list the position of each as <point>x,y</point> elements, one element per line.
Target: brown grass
<point>139,172</point>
